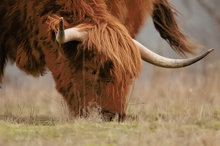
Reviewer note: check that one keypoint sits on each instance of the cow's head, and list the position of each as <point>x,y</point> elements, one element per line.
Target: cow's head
<point>103,64</point>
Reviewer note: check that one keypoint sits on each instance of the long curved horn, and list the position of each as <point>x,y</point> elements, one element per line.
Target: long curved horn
<point>73,34</point>
<point>155,59</point>
<point>70,34</point>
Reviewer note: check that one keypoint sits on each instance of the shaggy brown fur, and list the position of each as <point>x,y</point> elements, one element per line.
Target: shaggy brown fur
<point>165,23</point>
<point>97,71</point>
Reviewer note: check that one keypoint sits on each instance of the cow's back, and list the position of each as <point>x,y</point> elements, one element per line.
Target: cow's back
<point>131,13</point>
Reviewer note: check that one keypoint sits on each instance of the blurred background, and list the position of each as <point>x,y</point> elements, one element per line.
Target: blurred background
<point>200,20</point>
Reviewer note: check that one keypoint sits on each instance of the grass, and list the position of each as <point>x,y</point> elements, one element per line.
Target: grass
<point>174,107</point>
<point>153,129</point>
<point>79,132</point>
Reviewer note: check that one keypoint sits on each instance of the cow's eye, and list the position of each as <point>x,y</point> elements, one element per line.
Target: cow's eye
<point>94,72</point>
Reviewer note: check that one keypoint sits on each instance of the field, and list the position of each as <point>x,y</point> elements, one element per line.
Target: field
<point>170,108</point>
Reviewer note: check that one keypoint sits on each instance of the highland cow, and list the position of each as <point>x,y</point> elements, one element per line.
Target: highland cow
<point>88,45</point>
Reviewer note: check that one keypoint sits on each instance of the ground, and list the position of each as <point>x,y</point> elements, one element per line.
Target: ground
<point>175,107</point>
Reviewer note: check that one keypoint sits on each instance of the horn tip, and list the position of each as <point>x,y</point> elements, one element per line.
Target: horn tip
<point>61,19</point>
<point>210,50</point>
